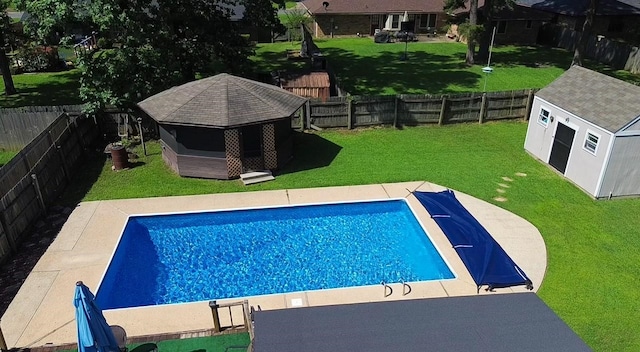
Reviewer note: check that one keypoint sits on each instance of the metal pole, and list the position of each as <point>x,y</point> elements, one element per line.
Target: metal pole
<point>144,147</point>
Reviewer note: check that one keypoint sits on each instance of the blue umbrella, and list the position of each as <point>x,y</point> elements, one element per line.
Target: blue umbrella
<point>94,333</point>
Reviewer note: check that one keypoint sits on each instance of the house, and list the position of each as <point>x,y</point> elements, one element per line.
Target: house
<point>618,19</point>
<point>351,17</point>
<point>518,25</point>
<point>586,125</point>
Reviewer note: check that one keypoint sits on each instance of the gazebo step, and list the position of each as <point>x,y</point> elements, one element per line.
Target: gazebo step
<point>256,176</point>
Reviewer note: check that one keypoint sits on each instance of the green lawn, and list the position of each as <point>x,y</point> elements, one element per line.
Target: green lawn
<point>6,155</point>
<point>592,275</point>
<point>49,88</point>
<point>366,68</point>
<point>219,343</point>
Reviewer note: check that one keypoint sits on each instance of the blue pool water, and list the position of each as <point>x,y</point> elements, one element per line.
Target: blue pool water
<point>179,258</point>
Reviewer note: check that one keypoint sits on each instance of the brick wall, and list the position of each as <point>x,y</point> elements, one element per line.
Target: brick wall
<point>350,25</point>
<point>518,33</point>
<point>344,25</point>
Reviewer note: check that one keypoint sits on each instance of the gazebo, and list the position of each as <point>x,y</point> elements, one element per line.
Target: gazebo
<point>222,126</point>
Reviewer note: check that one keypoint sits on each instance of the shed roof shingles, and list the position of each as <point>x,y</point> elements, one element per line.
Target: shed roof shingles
<point>221,101</point>
<point>602,100</point>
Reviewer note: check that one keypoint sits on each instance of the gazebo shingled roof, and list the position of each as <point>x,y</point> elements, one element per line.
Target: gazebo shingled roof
<point>222,101</point>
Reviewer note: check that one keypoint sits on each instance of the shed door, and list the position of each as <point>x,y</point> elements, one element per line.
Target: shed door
<point>561,147</point>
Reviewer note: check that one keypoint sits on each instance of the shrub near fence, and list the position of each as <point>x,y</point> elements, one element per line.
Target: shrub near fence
<point>36,176</point>
<point>397,110</point>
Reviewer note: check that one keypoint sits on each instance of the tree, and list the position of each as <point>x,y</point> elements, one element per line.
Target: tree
<point>152,44</point>
<point>488,11</point>
<point>264,15</point>
<point>5,28</point>
<point>469,29</point>
<point>578,54</point>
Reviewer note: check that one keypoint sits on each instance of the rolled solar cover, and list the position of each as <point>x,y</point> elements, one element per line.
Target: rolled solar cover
<point>486,261</point>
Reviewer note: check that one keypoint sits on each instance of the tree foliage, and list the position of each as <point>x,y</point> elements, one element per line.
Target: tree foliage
<point>153,44</point>
<point>263,14</point>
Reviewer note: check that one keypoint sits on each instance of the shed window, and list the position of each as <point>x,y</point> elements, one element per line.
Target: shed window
<point>529,24</point>
<point>591,142</point>
<point>544,117</point>
<point>502,27</point>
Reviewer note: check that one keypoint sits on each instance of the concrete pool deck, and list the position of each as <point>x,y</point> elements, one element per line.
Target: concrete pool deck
<point>42,312</point>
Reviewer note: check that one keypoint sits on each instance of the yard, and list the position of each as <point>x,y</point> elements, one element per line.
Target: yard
<point>592,246</point>
<point>366,68</point>
<point>591,282</point>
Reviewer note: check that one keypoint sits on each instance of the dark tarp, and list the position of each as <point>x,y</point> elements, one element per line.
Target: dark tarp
<point>519,322</point>
<point>486,261</point>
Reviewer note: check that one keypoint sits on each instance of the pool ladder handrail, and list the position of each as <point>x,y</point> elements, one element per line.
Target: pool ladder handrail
<point>385,289</point>
<point>406,289</point>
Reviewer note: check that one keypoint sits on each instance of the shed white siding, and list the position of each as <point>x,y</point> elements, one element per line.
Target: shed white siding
<point>622,176</point>
<point>539,138</point>
<point>584,168</point>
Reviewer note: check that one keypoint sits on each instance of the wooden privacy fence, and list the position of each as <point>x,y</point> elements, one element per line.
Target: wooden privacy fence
<point>619,55</point>
<point>405,109</point>
<point>18,126</point>
<point>37,175</point>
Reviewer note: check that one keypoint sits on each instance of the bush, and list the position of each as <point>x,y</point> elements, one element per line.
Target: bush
<point>36,58</point>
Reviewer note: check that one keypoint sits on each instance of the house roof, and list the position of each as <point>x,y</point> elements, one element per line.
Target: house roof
<point>221,101</point>
<point>344,7</point>
<point>520,13</point>
<point>602,100</point>
<point>579,7</point>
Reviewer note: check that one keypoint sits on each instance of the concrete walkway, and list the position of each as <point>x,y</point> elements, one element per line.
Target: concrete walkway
<point>42,311</point>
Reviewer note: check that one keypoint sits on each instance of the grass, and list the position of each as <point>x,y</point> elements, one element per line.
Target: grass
<point>219,343</point>
<point>366,68</point>
<point>591,280</point>
<point>6,155</point>
<point>49,88</point>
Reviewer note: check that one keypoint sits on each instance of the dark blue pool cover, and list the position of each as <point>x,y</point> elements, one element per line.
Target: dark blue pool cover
<point>487,262</point>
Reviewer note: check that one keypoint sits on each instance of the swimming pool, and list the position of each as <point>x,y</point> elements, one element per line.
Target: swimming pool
<point>178,258</point>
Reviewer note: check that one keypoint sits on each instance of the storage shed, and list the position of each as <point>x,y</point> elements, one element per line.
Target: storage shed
<point>587,126</point>
<point>310,84</point>
<point>222,126</point>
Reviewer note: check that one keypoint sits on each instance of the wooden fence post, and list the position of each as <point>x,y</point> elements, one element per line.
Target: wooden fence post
<point>349,113</point>
<point>36,185</point>
<point>308,114</point>
<point>443,110</point>
<point>395,112</point>
<point>216,318</point>
<point>60,153</point>
<point>527,110</point>
<point>483,108</point>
